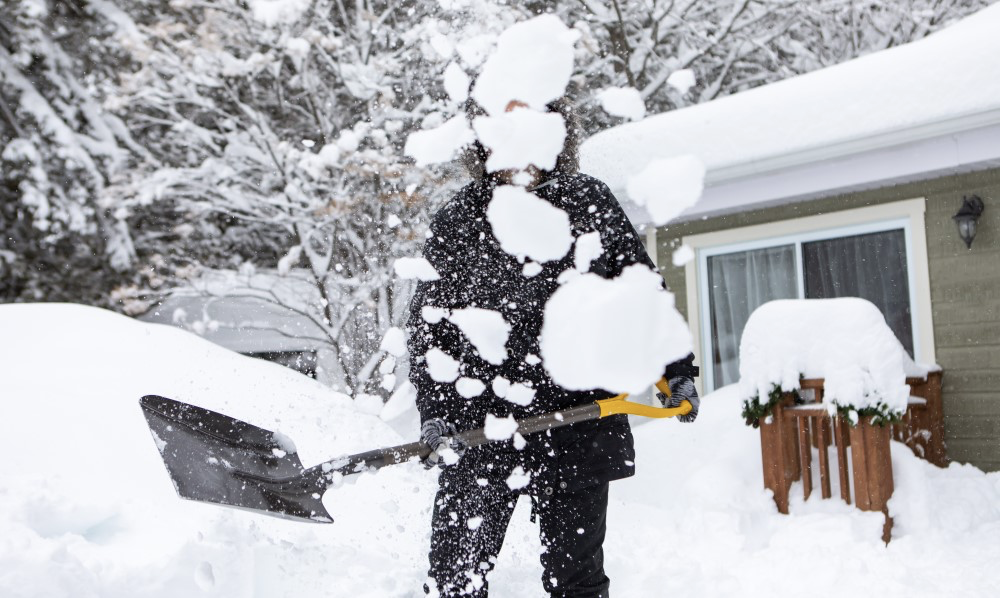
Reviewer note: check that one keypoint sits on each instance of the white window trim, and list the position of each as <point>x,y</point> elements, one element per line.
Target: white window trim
<point>906,214</point>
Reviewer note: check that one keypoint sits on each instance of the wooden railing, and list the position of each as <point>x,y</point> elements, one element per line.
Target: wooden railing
<point>791,432</point>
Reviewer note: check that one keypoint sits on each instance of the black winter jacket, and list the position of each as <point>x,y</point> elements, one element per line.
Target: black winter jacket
<point>476,272</point>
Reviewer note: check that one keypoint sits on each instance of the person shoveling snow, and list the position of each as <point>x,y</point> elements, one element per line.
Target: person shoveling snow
<point>501,251</point>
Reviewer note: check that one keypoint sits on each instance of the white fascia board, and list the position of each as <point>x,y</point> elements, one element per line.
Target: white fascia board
<point>966,151</point>
<point>890,140</point>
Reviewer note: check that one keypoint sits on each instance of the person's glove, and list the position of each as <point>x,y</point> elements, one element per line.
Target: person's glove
<point>682,388</point>
<point>442,438</point>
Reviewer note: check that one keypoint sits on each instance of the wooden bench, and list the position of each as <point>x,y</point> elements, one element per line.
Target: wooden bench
<point>790,433</point>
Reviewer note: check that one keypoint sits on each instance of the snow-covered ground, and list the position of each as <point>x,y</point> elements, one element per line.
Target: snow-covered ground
<point>86,508</point>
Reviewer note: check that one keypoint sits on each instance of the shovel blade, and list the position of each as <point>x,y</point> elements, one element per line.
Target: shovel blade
<point>218,459</point>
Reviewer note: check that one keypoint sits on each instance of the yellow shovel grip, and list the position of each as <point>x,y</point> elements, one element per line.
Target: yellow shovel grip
<point>618,404</point>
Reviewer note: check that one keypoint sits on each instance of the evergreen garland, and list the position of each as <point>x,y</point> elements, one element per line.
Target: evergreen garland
<point>754,410</point>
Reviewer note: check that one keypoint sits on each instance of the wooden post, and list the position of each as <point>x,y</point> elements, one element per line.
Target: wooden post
<point>841,436</point>
<point>779,455</point>
<point>935,421</point>
<point>805,456</point>
<point>821,426</point>
<point>872,469</point>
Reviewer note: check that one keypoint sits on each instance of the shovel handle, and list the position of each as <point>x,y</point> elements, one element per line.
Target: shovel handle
<point>616,405</point>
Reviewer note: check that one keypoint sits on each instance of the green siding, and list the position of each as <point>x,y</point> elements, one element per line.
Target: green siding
<point>965,295</point>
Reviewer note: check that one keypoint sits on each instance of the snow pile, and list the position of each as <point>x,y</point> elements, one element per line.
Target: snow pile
<point>618,334</point>
<point>87,509</point>
<point>845,341</point>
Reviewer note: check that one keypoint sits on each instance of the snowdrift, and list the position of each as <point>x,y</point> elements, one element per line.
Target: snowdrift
<point>86,508</point>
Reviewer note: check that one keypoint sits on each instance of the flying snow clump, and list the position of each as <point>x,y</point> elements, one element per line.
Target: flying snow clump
<point>532,63</point>
<point>456,83</point>
<point>682,80</point>
<point>526,225</point>
<point>278,12</point>
<point>469,387</point>
<point>499,428</point>
<point>668,186</point>
<point>439,144</point>
<point>441,366</point>
<point>616,334</point>
<point>400,402</point>
<point>521,138</point>
<point>683,255</point>
<point>486,330</point>
<point>588,248</point>
<point>520,394</point>
<point>415,267</point>
<point>518,478</point>
<point>623,101</point>
<point>394,342</point>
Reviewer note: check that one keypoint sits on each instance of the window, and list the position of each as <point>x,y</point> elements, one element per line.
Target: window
<point>873,260</point>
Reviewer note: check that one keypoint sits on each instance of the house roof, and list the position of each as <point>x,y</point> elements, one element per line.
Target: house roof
<point>915,111</point>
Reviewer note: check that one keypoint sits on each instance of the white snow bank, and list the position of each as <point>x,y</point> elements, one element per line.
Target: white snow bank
<point>845,341</point>
<point>87,509</point>
<point>617,334</point>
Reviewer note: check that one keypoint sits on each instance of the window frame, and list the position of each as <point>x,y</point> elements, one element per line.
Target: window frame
<point>907,215</point>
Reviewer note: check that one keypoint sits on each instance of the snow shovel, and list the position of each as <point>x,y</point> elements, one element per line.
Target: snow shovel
<point>218,459</point>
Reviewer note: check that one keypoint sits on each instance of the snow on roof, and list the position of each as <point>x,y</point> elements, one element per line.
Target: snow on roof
<point>946,83</point>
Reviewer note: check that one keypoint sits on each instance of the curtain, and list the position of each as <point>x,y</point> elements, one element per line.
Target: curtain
<point>739,283</point>
<point>870,266</point>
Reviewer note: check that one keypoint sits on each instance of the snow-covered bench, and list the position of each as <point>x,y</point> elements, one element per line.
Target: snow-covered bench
<point>822,373</point>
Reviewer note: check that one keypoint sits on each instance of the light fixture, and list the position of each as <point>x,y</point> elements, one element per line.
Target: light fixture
<point>968,214</point>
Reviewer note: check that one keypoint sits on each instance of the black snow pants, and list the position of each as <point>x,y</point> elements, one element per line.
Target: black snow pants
<point>470,520</point>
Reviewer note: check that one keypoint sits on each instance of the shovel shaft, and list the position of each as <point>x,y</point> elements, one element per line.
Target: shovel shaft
<point>334,469</point>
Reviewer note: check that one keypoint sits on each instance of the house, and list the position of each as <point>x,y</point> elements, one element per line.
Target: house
<point>844,182</point>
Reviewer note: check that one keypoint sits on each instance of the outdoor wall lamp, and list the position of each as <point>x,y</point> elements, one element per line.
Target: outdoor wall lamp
<point>968,214</point>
